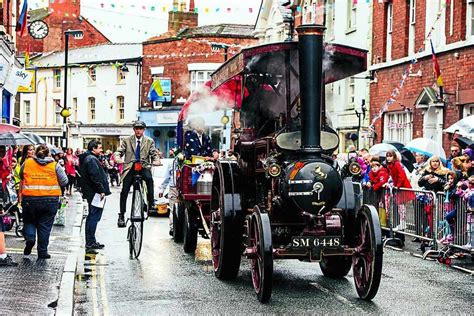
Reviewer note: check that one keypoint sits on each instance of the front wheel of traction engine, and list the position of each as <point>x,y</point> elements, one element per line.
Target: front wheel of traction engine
<point>190,230</point>
<point>367,261</point>
<point>335,267</point>
<point>261,255</point>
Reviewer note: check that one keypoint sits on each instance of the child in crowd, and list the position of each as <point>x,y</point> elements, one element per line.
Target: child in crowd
<point>447,224</point>
<point>113,171</point>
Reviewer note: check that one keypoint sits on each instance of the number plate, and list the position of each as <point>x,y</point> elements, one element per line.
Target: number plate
<point>315,242</point>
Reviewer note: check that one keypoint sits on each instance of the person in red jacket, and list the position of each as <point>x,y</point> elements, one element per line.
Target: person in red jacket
<point>399,181</point>
<point>378,175</point>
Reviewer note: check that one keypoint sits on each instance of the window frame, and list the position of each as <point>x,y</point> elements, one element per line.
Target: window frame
<point>57,76</point>
<point>403,134</point>
<point>195,82</point>
<point>470,19</point>
<point>27,106</point>
<point>351,16</point>
<point>92,108</point>
<point>351,89</point>
<point>120,107</point>
<point>412,12</point>
<point>58,119</point>
<point>121,75</point>
<point>92,75</point>
<point>74,108</point>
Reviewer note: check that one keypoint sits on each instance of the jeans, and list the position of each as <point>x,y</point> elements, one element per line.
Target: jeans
<point>38,218</point>
<point>92,220</point>
<point>127,184</point>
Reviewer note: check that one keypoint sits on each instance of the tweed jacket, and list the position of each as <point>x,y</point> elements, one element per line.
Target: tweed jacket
<point>148,152</point>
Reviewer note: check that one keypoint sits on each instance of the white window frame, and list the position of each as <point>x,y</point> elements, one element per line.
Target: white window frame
<point>92,75</point>
<point>389,31</point>
<point>330,20</point>
<point>27,107</point>
<point>351,89</point>
<point>402,134</point>
<point>57,78</point>
<point>121,75</point>
<point>411,27</point>
<point>74,109</point>
<point>121,107</point>
<point>196,82</point>
<point>470,19</point>
<point>92,108</point>
<point>351,16</point>
<point>468,110</point>
<point>57,110</point>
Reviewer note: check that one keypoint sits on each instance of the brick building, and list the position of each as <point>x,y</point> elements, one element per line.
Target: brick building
<point>400,28</point>
<point>60,15</point>
<point>183,60</point>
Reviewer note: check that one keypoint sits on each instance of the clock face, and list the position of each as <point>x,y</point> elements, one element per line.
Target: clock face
<point>38,29</point>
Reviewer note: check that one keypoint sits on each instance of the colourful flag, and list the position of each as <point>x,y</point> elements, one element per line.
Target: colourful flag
<point>27,57</point>
<point>21,23</point>
<point>437,71</point>
<point>156,91</point>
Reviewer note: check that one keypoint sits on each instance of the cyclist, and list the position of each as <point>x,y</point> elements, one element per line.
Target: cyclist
<point>136,147</point>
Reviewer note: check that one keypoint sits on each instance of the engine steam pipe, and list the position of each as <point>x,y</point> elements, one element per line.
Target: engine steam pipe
<point>310,50</point>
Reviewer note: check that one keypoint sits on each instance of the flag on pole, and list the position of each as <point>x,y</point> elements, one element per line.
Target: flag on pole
<point>437,71</point>
<point>22,22</point>
<point>27,57</point>
<point>156,91</point>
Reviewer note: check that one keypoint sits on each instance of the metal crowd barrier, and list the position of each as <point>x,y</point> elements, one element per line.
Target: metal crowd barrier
<point>424,215</point>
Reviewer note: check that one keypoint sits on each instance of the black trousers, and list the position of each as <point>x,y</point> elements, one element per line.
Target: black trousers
<point>127,184</point>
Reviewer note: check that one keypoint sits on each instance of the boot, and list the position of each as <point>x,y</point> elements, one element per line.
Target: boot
<point>121,220</point>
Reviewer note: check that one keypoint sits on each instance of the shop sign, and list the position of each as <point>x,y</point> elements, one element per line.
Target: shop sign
<point>167,118</point>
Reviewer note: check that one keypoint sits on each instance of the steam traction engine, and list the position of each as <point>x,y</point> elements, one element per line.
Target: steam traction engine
<point>284,198</point>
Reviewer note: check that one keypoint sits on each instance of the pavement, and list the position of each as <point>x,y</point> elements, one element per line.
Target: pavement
<point>43,286</point>
<point>165,280</point>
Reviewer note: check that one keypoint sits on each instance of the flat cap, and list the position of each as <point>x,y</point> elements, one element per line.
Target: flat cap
<point>139,124</point>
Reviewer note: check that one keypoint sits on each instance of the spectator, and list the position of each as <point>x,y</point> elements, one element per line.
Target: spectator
<point>400,181</point>
<point>455,152</point>
<point>447,225</point>
<point>70,162</point>
<point>5,260</point>
<point>457,165</point>
<point>173,193</point>
<point>39,194</point>
<point>378,177</point>
<point>418,167</point>
<point>28,151</point>
<point>94,181</point>
<point>433,177</point>
<point>113,173</point>
<point>196,142</point>
<point>469,155</point>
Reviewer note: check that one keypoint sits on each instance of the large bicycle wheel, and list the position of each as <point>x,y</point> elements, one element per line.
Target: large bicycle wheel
<point>137,218</point>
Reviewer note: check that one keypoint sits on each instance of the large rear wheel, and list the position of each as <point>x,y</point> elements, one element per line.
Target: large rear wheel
<point>261,259</point>
<point>367,261</point>
<point>177,222</point>
<point>226,221</point>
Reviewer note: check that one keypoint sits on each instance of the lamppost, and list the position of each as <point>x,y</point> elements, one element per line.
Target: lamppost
<point>225,118</point>
<point>359,114</point>
<point>65,113</point>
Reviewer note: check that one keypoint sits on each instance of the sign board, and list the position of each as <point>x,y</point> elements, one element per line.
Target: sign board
<point>31,88</point>
<point>3,72</point>
<point>166,87</point>
<point>17,77</point>
<point>167,118</point>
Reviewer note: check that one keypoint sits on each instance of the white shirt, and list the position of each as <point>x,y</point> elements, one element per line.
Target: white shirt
<point>200,137</point>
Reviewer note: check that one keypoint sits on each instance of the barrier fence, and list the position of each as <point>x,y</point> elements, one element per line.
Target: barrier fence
<point>433,218</point>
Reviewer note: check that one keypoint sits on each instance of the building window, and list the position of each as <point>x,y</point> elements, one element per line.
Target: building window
<point>57,78</point>
<point>470,18</point>
<point>468,110</point>
<point>121,107</point>
<point>92,75</point>
<point>351,15</point>
<point>389,32</point>
<point>198,78</point>
<point>412,11</point>
<point>398,127</point>
<point>57,110</point>
<point>351,94</point>
<point>74,109</point>
<point>120,75</point>
<point>92,109</point>
<point>330,17</point>
<point>411,30</point>
<point>27,106</point>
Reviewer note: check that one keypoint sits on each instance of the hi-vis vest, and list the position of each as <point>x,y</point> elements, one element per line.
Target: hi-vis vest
<point>40,180</point>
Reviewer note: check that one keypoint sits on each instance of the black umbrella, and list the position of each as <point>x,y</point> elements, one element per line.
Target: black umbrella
<point>13,139</point>
<point>395,144</point>
<point>408,160</point>
<point>464,142</point>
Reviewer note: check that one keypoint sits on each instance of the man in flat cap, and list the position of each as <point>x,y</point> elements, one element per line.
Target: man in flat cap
<point>136,147</point>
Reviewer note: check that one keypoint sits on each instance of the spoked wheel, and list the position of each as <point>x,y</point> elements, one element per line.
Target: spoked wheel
<point>137,218</point>
<point>367,261</point>
<point>190,230</point>
<point>19,230</point>
<point>261,255</point>
<point>177,222</point>
<point>226,222</point>
<point>335,267</point>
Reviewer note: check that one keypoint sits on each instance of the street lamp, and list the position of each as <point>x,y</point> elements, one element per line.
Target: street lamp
<point>359,114</point>
<point>65,113</point>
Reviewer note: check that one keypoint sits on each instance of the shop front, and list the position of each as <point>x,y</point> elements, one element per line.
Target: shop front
<point>109,135</point>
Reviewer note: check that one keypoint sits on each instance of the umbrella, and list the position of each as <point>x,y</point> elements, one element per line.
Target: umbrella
<point>36,138</point>
<point>408,160</point>
<point>463,141</point>
<point>427,147</point>
<point>7,128</point>
<point>464,127</point>
<point>12,139</point>
<point>395,144</point>
<point>381,149</point>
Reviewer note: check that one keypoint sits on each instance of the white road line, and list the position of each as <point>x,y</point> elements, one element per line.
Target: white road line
<point>338,297</point>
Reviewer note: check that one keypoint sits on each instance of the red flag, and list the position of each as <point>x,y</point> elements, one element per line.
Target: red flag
<point>437,71</point>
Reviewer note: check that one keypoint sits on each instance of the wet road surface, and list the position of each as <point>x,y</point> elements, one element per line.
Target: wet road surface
<point>166,280</point>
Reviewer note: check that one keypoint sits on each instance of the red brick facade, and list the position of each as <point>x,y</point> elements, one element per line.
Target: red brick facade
<point>155,54</point>
<point>63,15</point>
<point>457,66</point>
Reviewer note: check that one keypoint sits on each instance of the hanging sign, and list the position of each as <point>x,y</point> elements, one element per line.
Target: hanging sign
<point>31,87</point>
<point>166,87</point>
<point>17,77</point>
<point>3,72</point>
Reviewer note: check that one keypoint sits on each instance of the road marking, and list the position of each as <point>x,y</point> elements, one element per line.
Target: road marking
<point>94,287</point>
<point>103,288</point>
<point>20,251</point>
<point>338,297</point>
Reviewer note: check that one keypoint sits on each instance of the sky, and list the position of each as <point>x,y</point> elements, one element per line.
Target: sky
<point>137,20</point>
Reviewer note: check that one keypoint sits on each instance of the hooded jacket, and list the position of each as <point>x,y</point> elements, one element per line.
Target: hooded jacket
<point>93,177</point>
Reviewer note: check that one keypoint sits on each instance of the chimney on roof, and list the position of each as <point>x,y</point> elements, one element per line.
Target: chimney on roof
<point>178,20</point>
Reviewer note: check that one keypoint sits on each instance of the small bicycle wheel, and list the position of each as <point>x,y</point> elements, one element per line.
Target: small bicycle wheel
<point>137,218</point>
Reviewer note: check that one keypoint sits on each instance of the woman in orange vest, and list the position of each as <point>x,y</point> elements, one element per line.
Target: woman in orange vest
<point>40,188</point>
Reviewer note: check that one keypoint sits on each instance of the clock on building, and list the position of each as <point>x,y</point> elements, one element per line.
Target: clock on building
<point>38,29</point>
